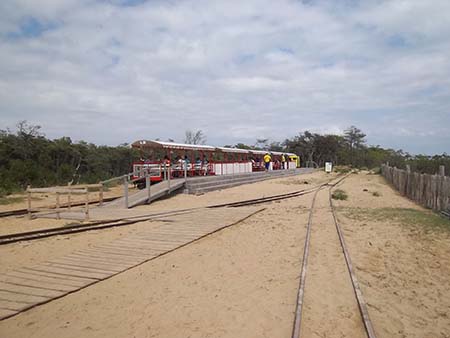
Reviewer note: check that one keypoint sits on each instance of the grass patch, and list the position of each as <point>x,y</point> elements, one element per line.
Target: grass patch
<point>375,171</point>
<point>339,194</point>
<point>10,200</point>
<point>342,170</point>
<point>404,216</point>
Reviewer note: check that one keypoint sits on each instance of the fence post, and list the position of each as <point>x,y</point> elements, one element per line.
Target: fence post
<point>441,170</point>
<point>86,207</point>
<point>125,190</point>
<point>147,185</point>
<point>29,201</point>
<point>100,194</point>
<point>185,171</point>
<point>168,177</point>
<point>57,206</point>
<point>408,168</point>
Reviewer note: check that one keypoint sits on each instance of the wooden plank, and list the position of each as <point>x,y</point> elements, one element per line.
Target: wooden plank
<point>104,257</point>
<point>80,265</point>
<point>109,251</point>
<point>65,190</point>
<point>31,279</point>
<point>131,246</point>
<point>67,273</point>
<point>147,243</point>
<point>67,270</point>
<point>143,254</point>
<point>19,297</point>
<point>180,237</point>
<point>37,284</point>
<point>28,273</point>
<point>5,313</point>
<point>110,266</point>
<point>30,290</point>
<point>14,305</point>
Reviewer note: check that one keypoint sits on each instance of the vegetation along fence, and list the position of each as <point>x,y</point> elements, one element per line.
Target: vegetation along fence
<point>431,191</point>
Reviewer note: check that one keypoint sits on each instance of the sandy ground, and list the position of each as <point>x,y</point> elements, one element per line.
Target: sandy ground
<point>403,269</point>
<point>243,281</point>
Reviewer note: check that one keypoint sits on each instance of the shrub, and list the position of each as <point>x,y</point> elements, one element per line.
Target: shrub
<point>339,195</point>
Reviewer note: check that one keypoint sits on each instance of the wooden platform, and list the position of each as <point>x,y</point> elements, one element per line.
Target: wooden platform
<point>28,286</point>
<point>141,197</point>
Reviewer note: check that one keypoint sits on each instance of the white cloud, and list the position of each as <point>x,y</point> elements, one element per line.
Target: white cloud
<point>235,70</point>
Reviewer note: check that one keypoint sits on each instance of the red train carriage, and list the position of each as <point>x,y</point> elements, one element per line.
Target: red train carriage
<point>178,160</point>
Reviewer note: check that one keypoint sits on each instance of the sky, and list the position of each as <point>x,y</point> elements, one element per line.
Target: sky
<point>112,72</point>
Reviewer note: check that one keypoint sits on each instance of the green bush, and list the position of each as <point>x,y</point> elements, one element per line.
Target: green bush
<point>339,195</point>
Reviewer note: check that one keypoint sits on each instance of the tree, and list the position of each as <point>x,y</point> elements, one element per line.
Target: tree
<point>262,144</point>
<point>196,137</point>
<point>354,139</point>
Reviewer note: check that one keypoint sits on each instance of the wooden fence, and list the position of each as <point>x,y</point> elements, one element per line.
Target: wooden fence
<point>431,191</point>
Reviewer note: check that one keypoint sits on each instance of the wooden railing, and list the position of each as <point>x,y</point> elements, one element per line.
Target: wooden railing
<point>430,191</point>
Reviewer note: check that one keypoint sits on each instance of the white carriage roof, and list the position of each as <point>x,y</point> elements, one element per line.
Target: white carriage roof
<point>200,147</point>
<point>171,145</point>
<point>233,150</point>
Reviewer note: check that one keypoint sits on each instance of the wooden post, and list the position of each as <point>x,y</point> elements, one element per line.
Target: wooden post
<point>69,202</point>
<point>441,170</point>
<point>147,185</point>
<point>168,177</point>
<point>100,195</point>
<point>125,190</point>
<point>86,206</point>
<point>408,168</point>
<point>57,206</point>
<point>29,201</point>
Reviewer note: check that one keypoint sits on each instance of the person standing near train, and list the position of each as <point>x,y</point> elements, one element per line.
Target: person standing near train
<point>267,160</point>
<point>283,161</point>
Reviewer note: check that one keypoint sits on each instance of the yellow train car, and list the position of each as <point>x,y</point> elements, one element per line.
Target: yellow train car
<point>294,158</point>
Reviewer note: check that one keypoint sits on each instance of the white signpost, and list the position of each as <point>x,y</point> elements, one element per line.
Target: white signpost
<point>328,167</point>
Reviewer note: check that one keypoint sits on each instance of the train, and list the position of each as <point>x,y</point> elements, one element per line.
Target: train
<point>161,160</point>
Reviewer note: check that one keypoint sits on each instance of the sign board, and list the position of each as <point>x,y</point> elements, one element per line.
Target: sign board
<point>328,167</point>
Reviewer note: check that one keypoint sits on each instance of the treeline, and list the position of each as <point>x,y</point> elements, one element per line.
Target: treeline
<point>28,157</point>
<point>350,149</point>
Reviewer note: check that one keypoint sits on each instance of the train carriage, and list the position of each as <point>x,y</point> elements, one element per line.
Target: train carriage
<point>160,159</point>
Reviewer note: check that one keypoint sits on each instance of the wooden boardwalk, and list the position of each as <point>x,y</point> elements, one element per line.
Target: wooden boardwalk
<point>141,197</point>
<point>28,286</point>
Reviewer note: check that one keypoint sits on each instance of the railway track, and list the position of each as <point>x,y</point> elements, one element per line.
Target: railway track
<point>49,232</point>
<point>300,310</point>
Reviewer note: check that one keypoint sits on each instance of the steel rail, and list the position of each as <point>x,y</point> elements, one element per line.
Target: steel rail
<point>362,305</point>
<point>296,329</point>
<point>301,289</point>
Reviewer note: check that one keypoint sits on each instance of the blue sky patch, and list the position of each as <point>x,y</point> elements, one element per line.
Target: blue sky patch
<point>31,27</point>
<point>397,41</point>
